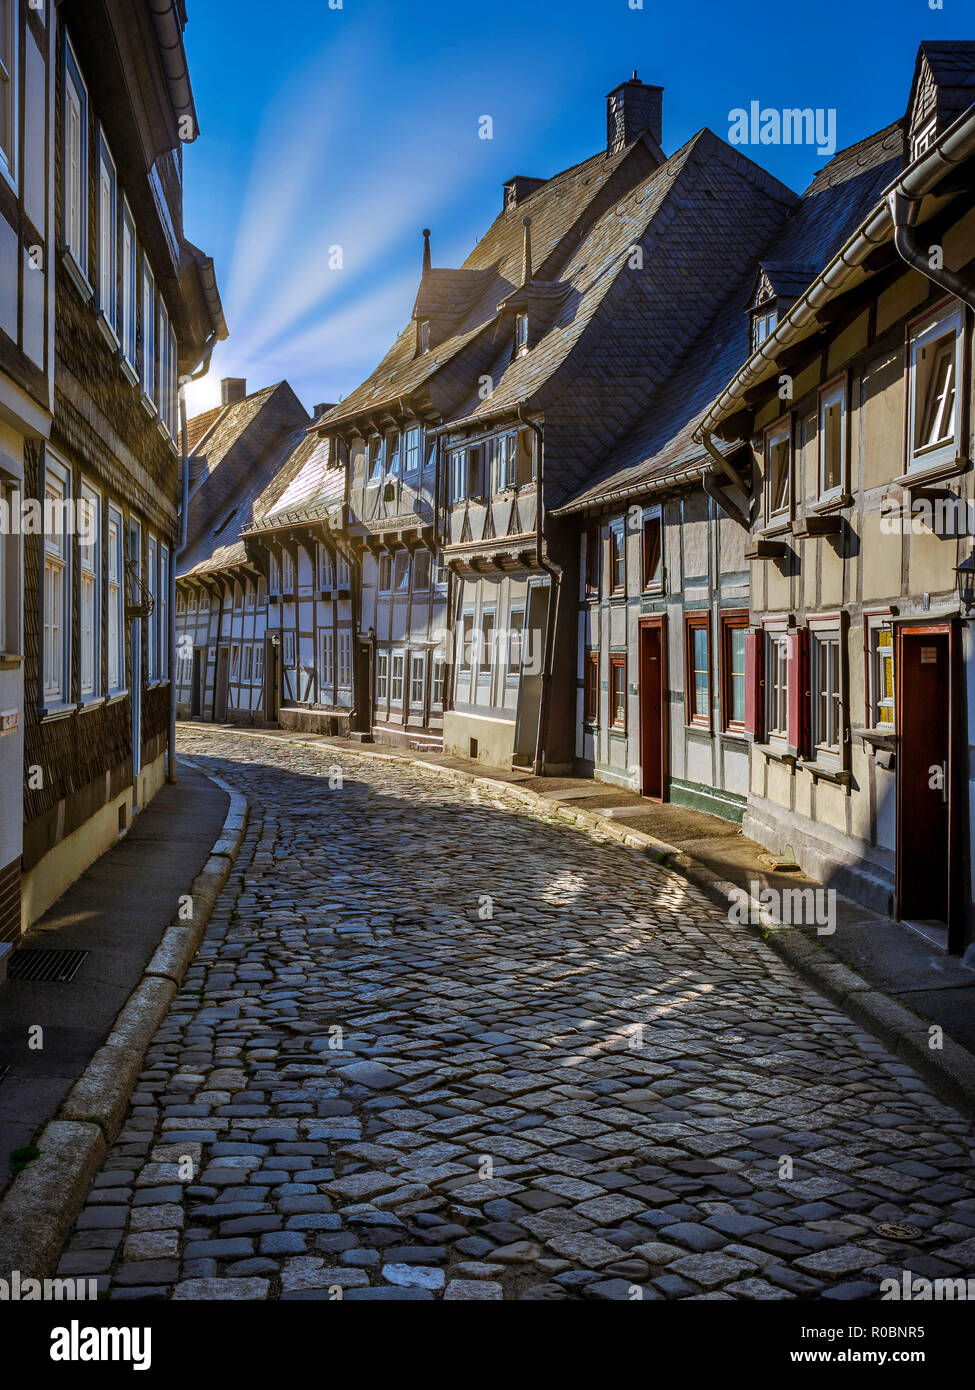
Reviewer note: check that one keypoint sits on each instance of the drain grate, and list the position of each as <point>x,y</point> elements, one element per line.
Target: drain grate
<point>61,966</point>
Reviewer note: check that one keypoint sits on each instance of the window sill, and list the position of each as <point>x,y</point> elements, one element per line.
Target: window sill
<point>877,738</point>
<point>737,735</point>
<point>619,729</point>
<point>931,473</point>
<point>154,685</point>
<point>92,702</point>
<point>833,502</point>
<point>10,660</point>
<point>107,331</point>
<point>701,726</point>
<point>780,754</point>
<point>75,274</point>
<point>149,405</point>
<point>825,772</point>
<point>128,371</point>
<point>116,697</point>
<point>49,713</point>
<point>778,525</point>
<point>653,590</point>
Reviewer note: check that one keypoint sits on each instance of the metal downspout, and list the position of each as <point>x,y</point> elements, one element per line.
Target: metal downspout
<point>904,213</point>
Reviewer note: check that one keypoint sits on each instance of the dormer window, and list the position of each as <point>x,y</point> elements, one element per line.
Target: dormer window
<point>423,335</point>
<point>521,334</point>
<point>763,325</point>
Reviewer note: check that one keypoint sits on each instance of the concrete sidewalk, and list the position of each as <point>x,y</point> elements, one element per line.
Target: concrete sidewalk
<point>713,854</point>
<point>117,911</point>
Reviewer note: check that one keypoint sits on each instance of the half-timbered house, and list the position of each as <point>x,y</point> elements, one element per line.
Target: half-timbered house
<point>136,306</point>
<point>855,412</point>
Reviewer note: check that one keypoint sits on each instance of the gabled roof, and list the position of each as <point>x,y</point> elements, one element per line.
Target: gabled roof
<point>950,65</point>
<point>237,457</point>
<point>662,447</point>
<point>491,272</point>
<point>780,280</point>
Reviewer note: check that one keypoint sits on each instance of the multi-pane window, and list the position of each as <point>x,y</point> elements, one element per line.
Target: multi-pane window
<point>486,664</point>
<point>440,572</point>
<point>287,573</point>
<point>235,662</point>
<point>274,573</point>
<point>777,685</point>
<point>411,460</point>
<point>617,558</point>
<point>763,324</point>
<point>697,648</point>
<point>152,579</point>
<point>375,458</point>
<point>882,676</point>
<point>148,332</point>
<point>249,594</point>
<point>935,373</point>
<point>401,571</point>
<point>652,553</point>
<point>385,573</point>
<point>778,471</point>
<point>396,684</point>
<point>827,693</point>
<point>258,662</point>
<point>421,571</point>
<point>382,675</point>
<point>436,691</point>
<point>130,287</point>
<point>89,573</point>
<point>75,160</point>
<point>326,656</point>
<point>418,674</point>
<point>733,631</point>
<point>344,573</point>
<point>393,453</point>
<point>172,412</point>
<point>162,612</point>
<point>116,606</point>
<point>467,643</point>
<point>288,650</point>
<point>57,496</point>
<point>8,88</point>
<point>326,573</point>
<point>165,358</point>
<point>504,462</point>
<point>617,692</point>
<point>345,659</point>
<point>247,675</point>
<point>516,626</point>
<point>591,690</point>
<point>107,235</point>
<point>832,439</point>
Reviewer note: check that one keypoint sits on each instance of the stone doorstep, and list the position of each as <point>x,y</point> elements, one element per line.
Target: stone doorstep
<point>579,793</point>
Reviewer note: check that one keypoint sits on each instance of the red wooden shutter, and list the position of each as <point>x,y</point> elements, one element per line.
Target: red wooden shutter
<point>799,692</point>
<point>754,685</point>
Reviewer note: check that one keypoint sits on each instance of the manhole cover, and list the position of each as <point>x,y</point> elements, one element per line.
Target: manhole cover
<point>895,1230</point>
<point>61,966</point>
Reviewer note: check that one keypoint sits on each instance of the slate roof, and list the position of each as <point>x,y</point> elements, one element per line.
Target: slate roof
<point>314,485</point>
<point>488,275</point>
<point>952,66</point>
<point>241,455</point>
<point>833,205</point>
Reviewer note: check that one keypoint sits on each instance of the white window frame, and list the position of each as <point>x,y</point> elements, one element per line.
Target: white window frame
<point>148,296</point>
<point>393,448</point>
<point>343,573</point>
<point>288,577</point>
<point>402,569</point>
<point>247,664</point>
<point>515,645</point>
<point>258,663</point>
<point>437,683</point>
<point>162,614</point>
<point>56,589</point>
<point>326,656</point>
<point>833,394</point>
<point>458,475</point>
<point>9,90</point>
<point>521,333</point>
<point>326,570</point>
<point>235,662</point>
<point>466,657</point>
<point>923,339</point>
<point>397,677</point>
<point>776,667</point>
<point>164,347</point>
<point>288,651</point>
<point>487,651</point>
<point>75,162</point>
<point>384,577</point>
<point>343,669</point>
<point>152,626</point>
<point>418,662</point>
<point>826,715</point>
<point>924,138</point>
<point>382,676</point>
<point>274,584</point>
<point>116,600</point>
<point>885,717</point>
<point>375,458</point>
<point>129,316</point>
<point>412,445</point>
<point>421,585</point>
<point>107,206</point>
<point>89,597</point>
<point>779,433</point>
<point>764,324</point>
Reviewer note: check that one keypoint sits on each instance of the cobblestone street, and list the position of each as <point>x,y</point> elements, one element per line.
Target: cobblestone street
<point>437,1046</point>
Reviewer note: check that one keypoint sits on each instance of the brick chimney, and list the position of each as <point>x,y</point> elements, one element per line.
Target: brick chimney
<point>233,389</point>
<point>632,108</point>
<point>319,410</point>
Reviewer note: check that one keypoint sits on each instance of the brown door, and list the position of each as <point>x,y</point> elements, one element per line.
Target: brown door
<point>270,680</point>
<point>196,686</point>
<point>653,708</point>
<point>220,684</point>
<point>924,775</point>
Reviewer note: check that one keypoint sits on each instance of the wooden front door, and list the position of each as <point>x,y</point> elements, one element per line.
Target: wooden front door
<point>220,684</point>
<point>925,774</point>
<point>653,708</point>
<point>196,684</point>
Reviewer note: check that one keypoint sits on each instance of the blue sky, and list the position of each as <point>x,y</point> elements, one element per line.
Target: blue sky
<point>357,127</point>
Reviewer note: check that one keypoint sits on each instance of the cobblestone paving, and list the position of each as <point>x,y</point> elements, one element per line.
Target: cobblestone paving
<point>562,1074</point>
